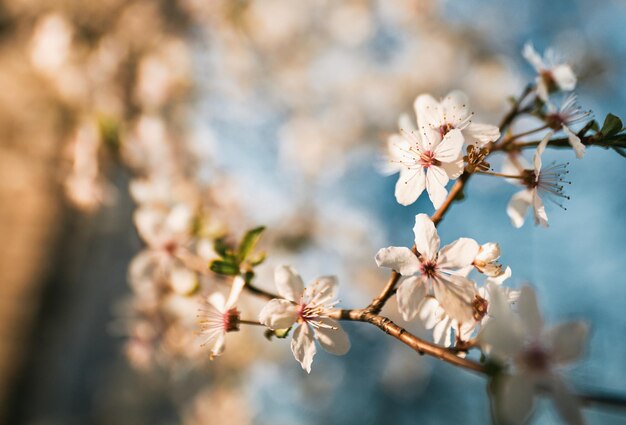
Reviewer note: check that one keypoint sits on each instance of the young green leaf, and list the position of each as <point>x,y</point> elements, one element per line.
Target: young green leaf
<point>224,267</point>
<point>249,241</point>
<point>612,125</point>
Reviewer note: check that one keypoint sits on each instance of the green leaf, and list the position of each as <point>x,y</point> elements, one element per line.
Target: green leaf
<point>278,333</point>
<point>612,125</point>
<point>257,259</point>
<point>223,267</point>
<point>223,249</point>
<point>249,241</point>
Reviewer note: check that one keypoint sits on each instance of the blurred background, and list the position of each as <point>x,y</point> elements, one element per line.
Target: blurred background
<point>273,112</point>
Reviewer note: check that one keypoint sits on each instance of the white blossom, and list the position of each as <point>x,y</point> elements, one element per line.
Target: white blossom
<point>308,308</point>
<point>563,118</point>
<point>436,119</point>
<point>440,272</point>
<point>219,317</point>
<point>552,75</point>
<point>539,182</point>
<point>534,353</point>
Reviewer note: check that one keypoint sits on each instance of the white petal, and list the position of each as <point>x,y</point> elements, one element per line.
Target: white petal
<point>540,148</point>
<point>217,300</point>
<point>183,281</point>
<point>529,311</point>
<point>442,333</point>
<point>405,123</point>
<point>400,259</point>
<point>323,290</point>
<point>430,312</point>
<point>454,169</point>
<point>514,168</point>
<point>488,252</point>
<point>235,292</point>
<point>518,207</point>
<point>567,341</point>
<point>397,147</point>
<point>458,254</point>
<point>541,218</point>
<point>410,185</point>
<point>480,134</point>
<point>219,344</point>
<point>410,294</point>
<point>531,55</point>
<point>564,77</point>
<point>332,337</point>
<point>450,147</point>
<point>179,219</point>
<point>436,180</point>
<point>278,314</point>
<point>426,237</point>
<point>429,118</point>
<point>455,294</point>
<point>514,399</point>
<point>499,280</point>
<point>502,335</point>
<point>289,283</point>
<point>574,140</point>
<point>303,346</point>
<point>566,403</point>
<point>542,89</point>
<point>455,108</point>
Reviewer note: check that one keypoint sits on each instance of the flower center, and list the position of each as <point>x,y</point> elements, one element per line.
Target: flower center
<point>445,129</point>
<point>427,159</point>
<point>536,358</point>
<point>548,79</point>
<point>479,307</point>
<point>429,269</point>
<point>549,182</point>
<point>170,247</point>
<point>231,320</point>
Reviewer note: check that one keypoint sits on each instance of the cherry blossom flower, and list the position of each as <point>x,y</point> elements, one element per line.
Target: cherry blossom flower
<point>436,119</point>
<point>165,232</point>
<point>308,308</point>
<point>219,317</point>
<point>547,183</point>
<point>562,119</point>
<point>486,260</point>
<point>426,164</point>
<point>553,74</point>
<point>436,318</point>
<point>534,353</point>
<point>440,272</point>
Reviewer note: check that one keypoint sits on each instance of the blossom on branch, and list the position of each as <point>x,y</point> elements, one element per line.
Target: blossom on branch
<point>547,182</point>
<point>562,119</point>
<point>219,317</point>
<point>534,353</point>
<point>554,75</point>
<point>308,308</point>
<point>429,270</point>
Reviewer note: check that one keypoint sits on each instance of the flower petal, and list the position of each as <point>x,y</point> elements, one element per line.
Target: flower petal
<point>455,294</point>
<point>289,283</point>
<point>534,58</point>
<point>303,346</point>
<point>514,399</point>
<point>235,292</point>
<point>436,180</point>
<point>529,311</point>
<point>454,169</point>
<point>518,207</point>
<point>455,108</point>
<point>458,254</point>
<point>429,119</point>
<point>540,148</point>
<point>574,140</point>
<point>426,237</point>
<point>449,148</point>
<point>219,344</point>
<point>567,341</point>
<point>410,185</point>
<point>566,403</point>
<point>410,294</point>
<point>564,77</point>
<point>323,290</point>
<point>480,134</point>
<point>400,259</point>
<point>278,314</point>
<point>541,218</point>
<point>332,337</point>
